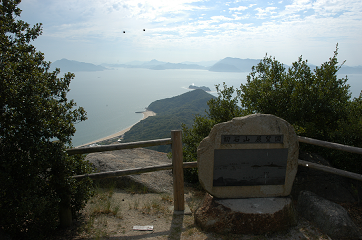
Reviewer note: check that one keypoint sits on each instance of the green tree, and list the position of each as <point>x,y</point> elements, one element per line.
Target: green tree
<point>221,109</point>
<point>36,126</point>
<point>349,132</point>
<point>314,102</point>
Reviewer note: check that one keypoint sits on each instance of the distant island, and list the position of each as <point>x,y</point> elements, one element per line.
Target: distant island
<point>66,65</point>
<point>206,89</point>
<point>227,64</point>
<point>171,113</point>
<point>234,65</point>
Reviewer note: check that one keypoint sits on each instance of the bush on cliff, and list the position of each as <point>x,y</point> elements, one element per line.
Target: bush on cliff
<point>221,109</point>
<point>36,125</point>
<point>171,113</point>
<point>316,103</point>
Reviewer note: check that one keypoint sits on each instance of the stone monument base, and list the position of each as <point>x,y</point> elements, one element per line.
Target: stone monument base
<point>245,216</point>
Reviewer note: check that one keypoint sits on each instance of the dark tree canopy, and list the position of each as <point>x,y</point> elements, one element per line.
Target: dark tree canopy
<point>315,102</point>
<point>221,109</point>
<point>36,126</point>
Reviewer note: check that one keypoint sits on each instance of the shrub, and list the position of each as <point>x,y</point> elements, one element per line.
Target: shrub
<point>221,109</point>
<point>36,125</point>
<point>316,103</point>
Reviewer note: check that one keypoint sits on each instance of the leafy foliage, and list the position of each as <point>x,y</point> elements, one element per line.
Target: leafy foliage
<point>221,109</point>
<point>193,101</point>
<point>34,169</point>
<point>316,103</point>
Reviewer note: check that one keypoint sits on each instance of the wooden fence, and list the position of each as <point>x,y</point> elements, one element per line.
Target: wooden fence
<point>178,165</point>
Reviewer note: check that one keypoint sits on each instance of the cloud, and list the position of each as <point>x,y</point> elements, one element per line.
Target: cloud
<point>262,13</point>
<point>198,24</point>
<point>220,18</point>
<point>240,8</point>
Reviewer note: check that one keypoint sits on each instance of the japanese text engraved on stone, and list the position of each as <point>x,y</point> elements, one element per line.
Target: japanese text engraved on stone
<point>249,167</point>
<point>243,139</point>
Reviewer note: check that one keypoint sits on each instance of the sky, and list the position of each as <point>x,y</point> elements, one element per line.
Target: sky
<point>196,30</point>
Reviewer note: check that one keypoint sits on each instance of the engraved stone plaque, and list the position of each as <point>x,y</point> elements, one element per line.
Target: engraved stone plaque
<point>251,156</point>
<point>249,167</point>
<point>243,139</point>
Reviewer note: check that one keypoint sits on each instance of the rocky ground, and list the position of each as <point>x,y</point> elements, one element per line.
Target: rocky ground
<point>146,200</point>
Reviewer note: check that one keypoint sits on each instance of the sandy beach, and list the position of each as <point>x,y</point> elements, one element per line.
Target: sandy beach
<point>146,114</point>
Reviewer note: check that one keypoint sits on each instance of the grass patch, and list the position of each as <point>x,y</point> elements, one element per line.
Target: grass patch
<point>156,207</point>
<point>125,183</point>
<point>96,227</point>
<point>134,188</point>
<point>101,202</point>
<point>166,198</point>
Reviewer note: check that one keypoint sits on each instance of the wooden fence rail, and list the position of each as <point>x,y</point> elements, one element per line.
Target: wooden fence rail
<point>194,164</point>
<point>178,164</point>
<point>132,171</point>
<point>330,145</point>
<point>330,170</point>
<point>176,143</point>
<point>166,141</point>
<point>104,148</point>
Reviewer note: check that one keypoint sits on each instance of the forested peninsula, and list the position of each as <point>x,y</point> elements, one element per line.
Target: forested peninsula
<point>171,113</point>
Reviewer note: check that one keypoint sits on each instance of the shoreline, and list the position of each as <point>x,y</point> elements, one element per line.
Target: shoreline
<point>146,114</point>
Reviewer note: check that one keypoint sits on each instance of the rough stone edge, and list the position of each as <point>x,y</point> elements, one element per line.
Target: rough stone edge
<point>210,206</point>
<point>283,190</point>
<point>325,222</point>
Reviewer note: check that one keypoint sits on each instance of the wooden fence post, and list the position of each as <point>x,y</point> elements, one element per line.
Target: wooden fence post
<point>178,173</point>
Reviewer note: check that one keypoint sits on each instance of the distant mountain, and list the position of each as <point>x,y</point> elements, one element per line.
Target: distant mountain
<point>177,66</point>
<point>66,65</point>
<point>225,65</point>
<point>152,63</point>
<point>343,70</point>
<point>202,63</point>
<point>350,70</point>
<point>156,65</point>
<point>135,63</point>
<point>116,65</point>
<point>234,65</point>
<point>222,67</point>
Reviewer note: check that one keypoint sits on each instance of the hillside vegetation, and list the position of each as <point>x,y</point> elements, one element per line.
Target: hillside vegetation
<point>171,113</point>
<point>36,127</point>
<point>315,101</point>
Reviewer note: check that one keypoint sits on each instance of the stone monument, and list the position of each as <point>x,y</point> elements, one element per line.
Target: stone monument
<point>248,166</point>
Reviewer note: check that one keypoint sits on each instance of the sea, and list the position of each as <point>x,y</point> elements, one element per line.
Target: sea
<point>111,98</point>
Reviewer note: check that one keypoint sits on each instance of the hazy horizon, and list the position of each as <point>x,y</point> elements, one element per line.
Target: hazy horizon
<point>214,61</point>
<point>196,30</point>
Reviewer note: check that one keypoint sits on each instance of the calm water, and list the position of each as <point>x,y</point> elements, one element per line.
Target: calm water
<point>112,97</point>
